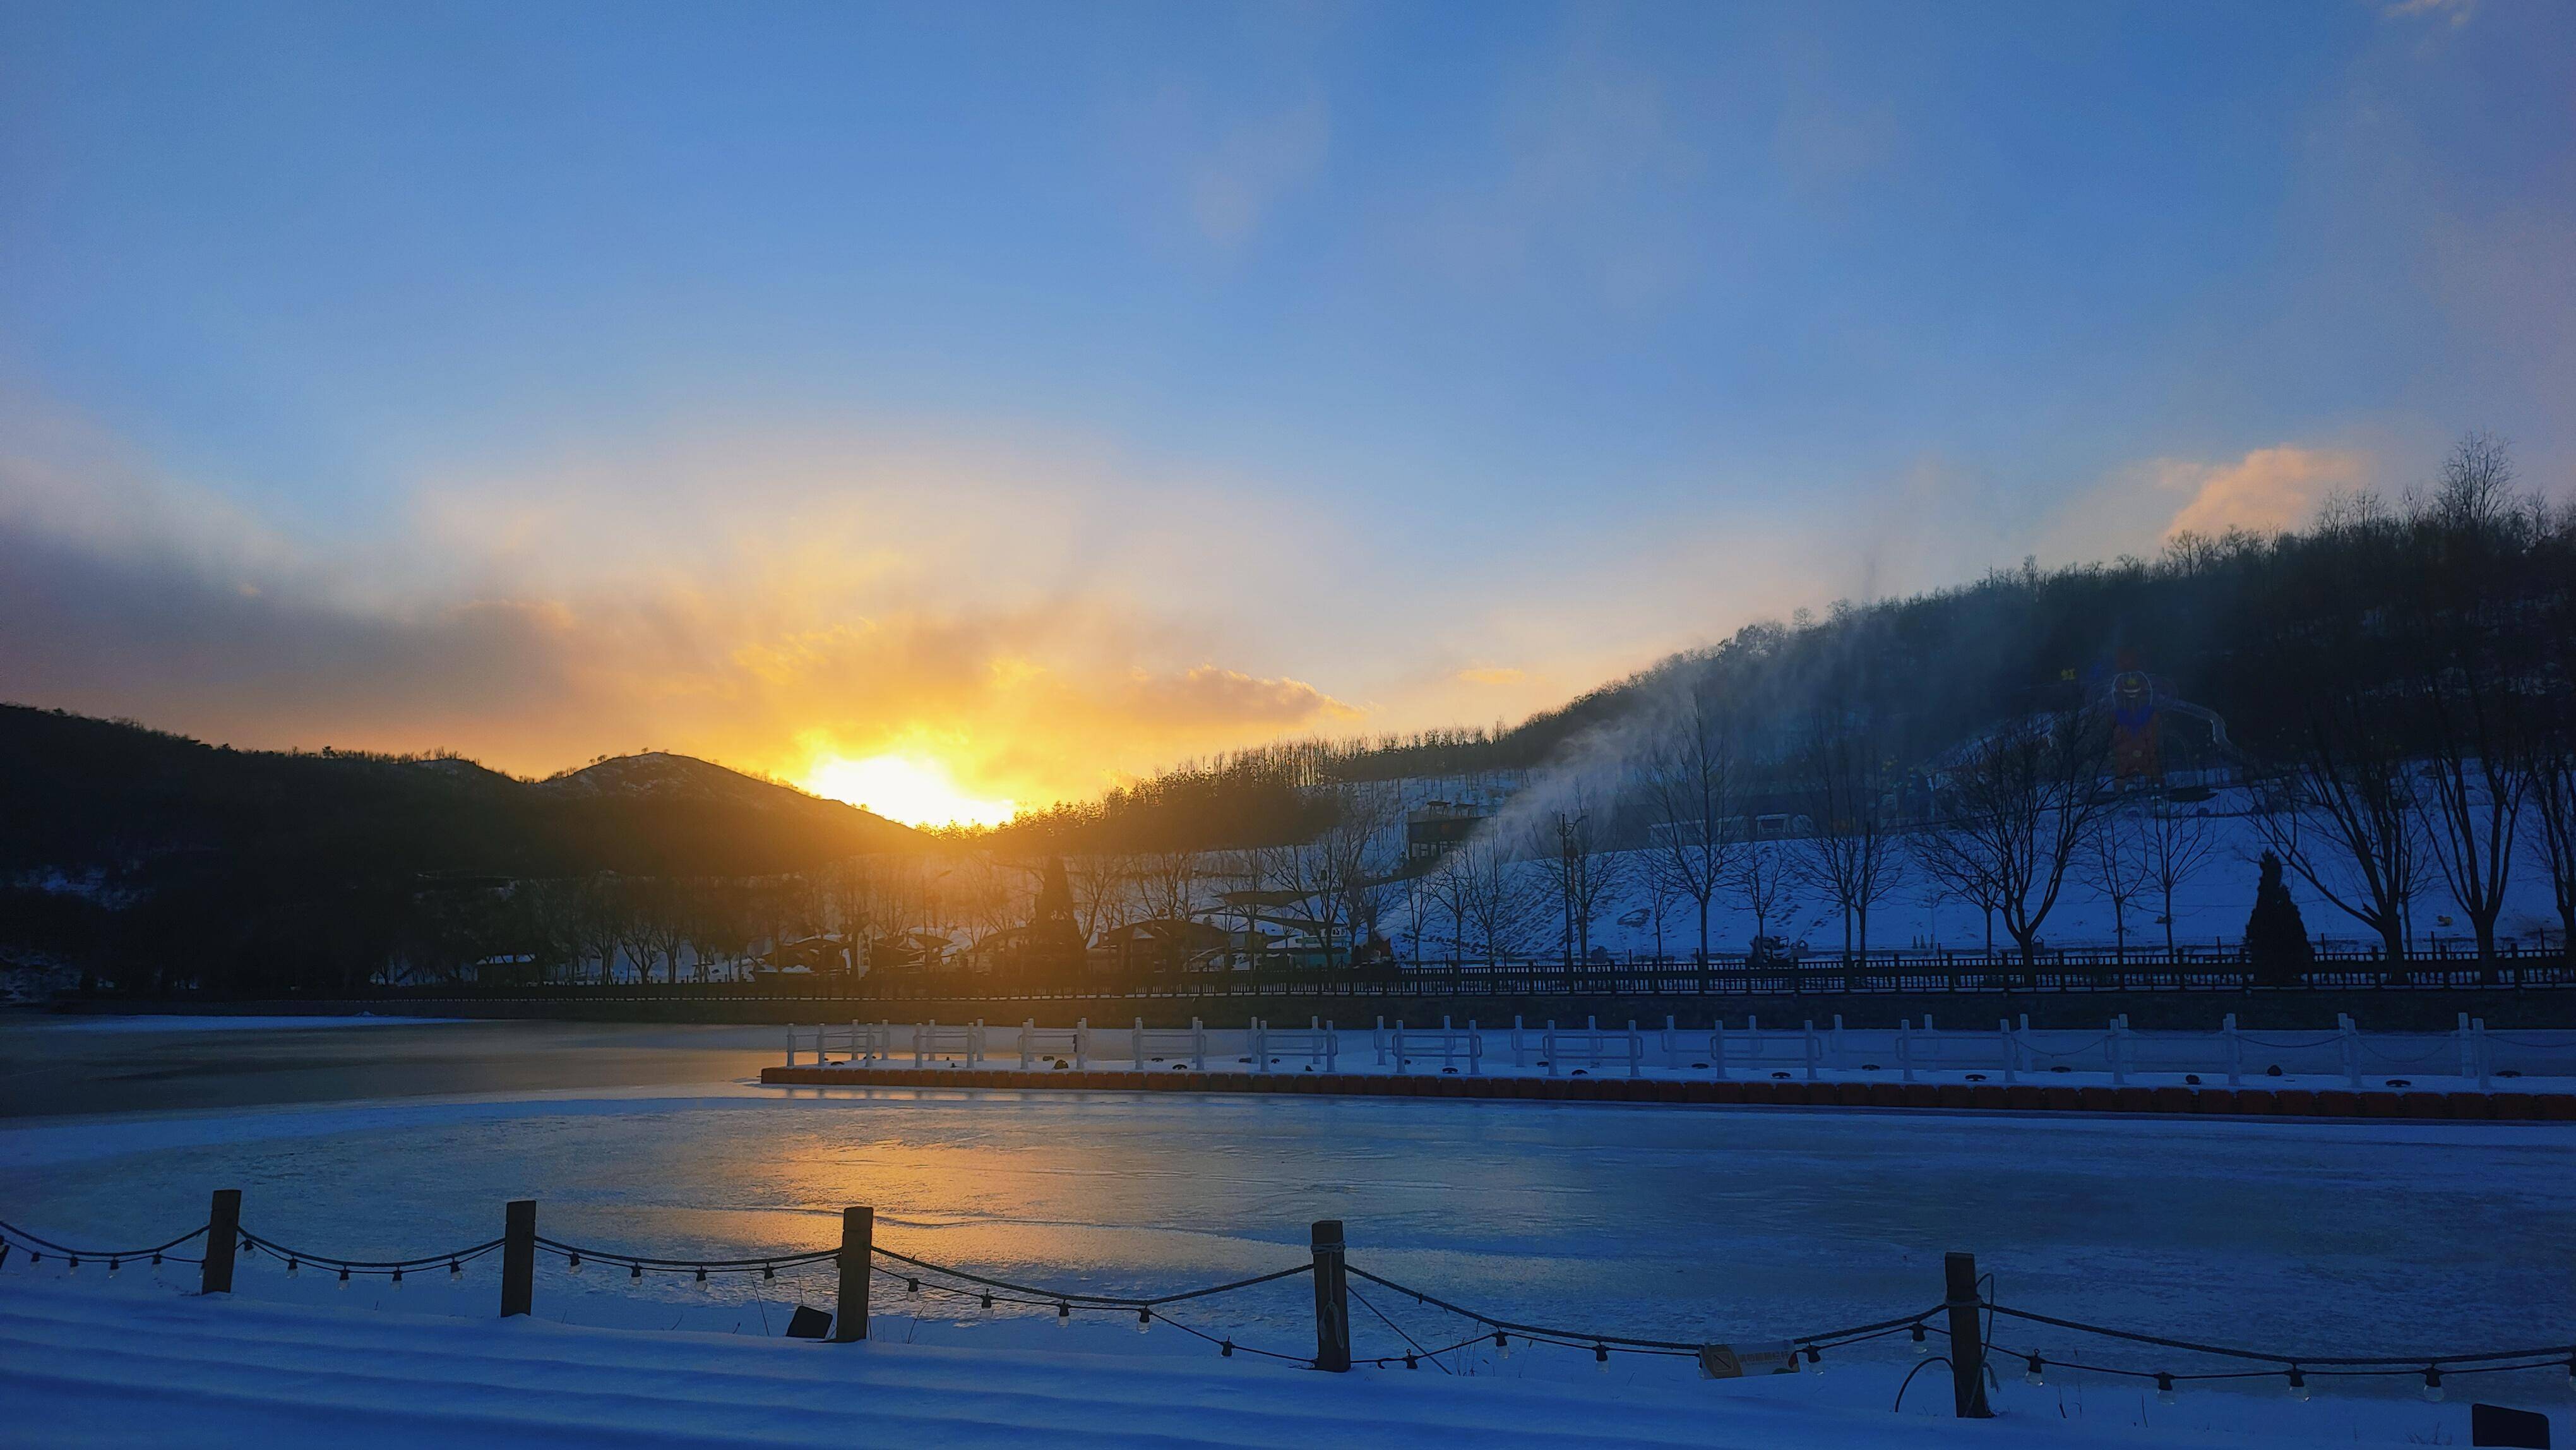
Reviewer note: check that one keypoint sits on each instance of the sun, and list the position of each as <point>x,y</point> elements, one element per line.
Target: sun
<point>914,789</point>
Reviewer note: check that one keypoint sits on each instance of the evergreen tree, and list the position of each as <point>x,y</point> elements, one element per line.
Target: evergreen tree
<point>2276,938</point>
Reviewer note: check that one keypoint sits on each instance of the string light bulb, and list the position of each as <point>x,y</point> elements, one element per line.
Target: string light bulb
<point>113,1265</point>
<point>634,1273</point>
<point>1601,1358</point>
<point>1225,1349</point>
<point>1921,1344</point>
<point>1815,1360</point>
<point>1144,1319</point>
<point>988,1298</point>
<point>1502,1345</point>
<point>2164,1389</point>
<point>294,1270</point>
<point>2298,1385</point>
<point>1064,1316</point>
<point>1411,1363</point>
<point>75,1265</point>
<point>396,1281</point>
<point>572,1262</point>
<point>769,1271</point>
<point>344,1278</point>
<point>2032,1374</point>
<point>455,1270</point>
<point>2432,1385</point>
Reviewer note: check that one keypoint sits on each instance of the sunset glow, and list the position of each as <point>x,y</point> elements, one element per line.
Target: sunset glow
<point>914,789</point>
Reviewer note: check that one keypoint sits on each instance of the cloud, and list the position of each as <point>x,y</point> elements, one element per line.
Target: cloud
<point>2267,490</point>
<point>1253,165</point>
<point>760,602</point>
<point>2458,10</point>
<point>2140,506</point>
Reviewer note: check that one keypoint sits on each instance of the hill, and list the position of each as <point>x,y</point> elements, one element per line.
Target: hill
<point>125,846</point>
<point>2468,585</point>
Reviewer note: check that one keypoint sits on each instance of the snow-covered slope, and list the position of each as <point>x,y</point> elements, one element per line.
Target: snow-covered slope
<point>80,1368</point>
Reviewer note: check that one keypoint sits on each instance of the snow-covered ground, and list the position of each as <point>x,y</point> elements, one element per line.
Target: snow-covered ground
<point>1703,1225</point>
<point>90,1369</point>
<point>2209,907</point>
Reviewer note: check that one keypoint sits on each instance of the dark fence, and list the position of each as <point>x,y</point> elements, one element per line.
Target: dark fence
<point>1888,973</point>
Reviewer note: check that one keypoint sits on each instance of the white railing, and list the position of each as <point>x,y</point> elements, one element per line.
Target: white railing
<point>1154,1044</point>
<point>1318,1045</point>
<point>1453,1049</point>
<point>1055,1042</point>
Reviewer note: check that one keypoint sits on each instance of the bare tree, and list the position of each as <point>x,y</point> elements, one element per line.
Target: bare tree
<point>1307,874</point>
<point>1688,782</point>
<point>2473,811</point>
<point>1765,878</point>
<point>2174,847</point>
<point>1580,870</point>
<point>1362,848</point>
<point>2345,817</point>
<point>2551,819</point>
<point>2115,865</point>
<point>1103,886</point>
<point>2022,806</point>
<point>1496,902</point>
<point>1167,883</point>
<point>1850,852</point>
<point>1449,887</point>
<point>1957,866</point>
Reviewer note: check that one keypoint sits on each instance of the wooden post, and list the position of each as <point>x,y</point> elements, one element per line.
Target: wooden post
<point>518,1257</point>
<point>1332,1299</point>
<point>223,1235</point>
<point>1967,1348</point>
<point>858,1256</point>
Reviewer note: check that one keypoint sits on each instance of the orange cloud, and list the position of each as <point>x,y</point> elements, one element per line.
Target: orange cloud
<point>2267,490</point>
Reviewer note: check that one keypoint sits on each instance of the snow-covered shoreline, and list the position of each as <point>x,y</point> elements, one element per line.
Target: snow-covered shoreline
<point>85,1368</point>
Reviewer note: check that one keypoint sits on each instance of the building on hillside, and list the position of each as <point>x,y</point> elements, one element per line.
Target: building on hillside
<point>1436,828</point>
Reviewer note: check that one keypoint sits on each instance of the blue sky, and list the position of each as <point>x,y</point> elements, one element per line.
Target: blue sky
<point>1056,390</point>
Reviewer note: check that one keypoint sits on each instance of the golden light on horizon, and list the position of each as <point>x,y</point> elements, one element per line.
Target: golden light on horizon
<point>914,789</point>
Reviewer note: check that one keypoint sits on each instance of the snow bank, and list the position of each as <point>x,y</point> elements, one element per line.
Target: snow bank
<point>88,1369</point>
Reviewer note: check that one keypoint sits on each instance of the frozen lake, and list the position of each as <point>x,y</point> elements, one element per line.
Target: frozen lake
<point>1673,1223</point>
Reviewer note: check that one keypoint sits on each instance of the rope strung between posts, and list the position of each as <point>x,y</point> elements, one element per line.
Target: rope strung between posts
<point>37,1247</point>
<point>2229,1352</point>
<point>1577,1339</point>
<point>295,1258</point>
<point>1107,1301</point>
<point>1064,1308</point>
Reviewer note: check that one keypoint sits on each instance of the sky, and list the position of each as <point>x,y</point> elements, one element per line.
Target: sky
<point>994,402</point>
